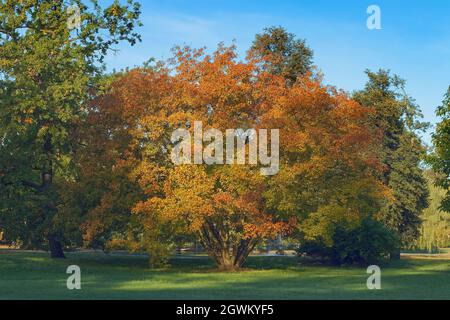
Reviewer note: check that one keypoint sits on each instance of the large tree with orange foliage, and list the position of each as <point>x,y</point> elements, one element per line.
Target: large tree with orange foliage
<point>327,153</point>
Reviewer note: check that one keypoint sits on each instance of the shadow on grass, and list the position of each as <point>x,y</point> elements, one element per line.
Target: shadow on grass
<point>34,276</point>
<point>275,285</point>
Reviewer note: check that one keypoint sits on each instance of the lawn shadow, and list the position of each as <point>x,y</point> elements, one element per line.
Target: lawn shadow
<point>35,276</point>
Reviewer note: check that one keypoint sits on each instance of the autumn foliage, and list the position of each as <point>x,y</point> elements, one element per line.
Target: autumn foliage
<point>327,156</point>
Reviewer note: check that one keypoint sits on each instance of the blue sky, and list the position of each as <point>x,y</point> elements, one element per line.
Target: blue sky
<point>414,41</point>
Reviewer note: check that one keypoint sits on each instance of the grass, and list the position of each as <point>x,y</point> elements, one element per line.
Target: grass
<point>35,276</point>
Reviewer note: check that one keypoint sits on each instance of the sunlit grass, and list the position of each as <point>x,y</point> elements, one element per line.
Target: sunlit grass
<point>35,276</point>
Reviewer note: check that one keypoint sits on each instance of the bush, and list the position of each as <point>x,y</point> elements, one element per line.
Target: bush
<point>159,254</point>
<point>368,243</point>
<point>159,248</point>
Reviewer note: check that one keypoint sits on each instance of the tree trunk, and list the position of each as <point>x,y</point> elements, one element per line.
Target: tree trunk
<point>54,242</point>
<point>229,254</point>
<point>233,260</point>
<point>226,262</point>
<point>395,255</point>
<point>279,244</point>
<point>56,249</point>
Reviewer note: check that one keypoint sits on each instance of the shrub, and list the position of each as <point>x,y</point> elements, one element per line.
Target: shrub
<point>368,243</point>
<point>159,248</point>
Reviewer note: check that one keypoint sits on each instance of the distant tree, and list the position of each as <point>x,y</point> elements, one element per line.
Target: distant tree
<point>48,67</point>
<point>282,53</point>
<point>435,228</point>
<point>441,158</point>
<point>402,151</point>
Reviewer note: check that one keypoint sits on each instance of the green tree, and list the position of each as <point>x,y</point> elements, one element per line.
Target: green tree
<point>51,53</point>
<point>435,229</point>
<point>398,118</point>
<point>283,53</point>
<point>441,157</point>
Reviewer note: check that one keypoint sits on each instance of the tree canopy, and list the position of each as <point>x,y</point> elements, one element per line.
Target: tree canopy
<point>325,147</point>
<point>86,158</point>
<point>48,71</point>
<point>441,158</point>
<point>281,53</point>
<point>401,152</point>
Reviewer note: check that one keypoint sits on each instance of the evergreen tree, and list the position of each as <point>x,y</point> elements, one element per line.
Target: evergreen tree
<point>398,118</point>
<point>283,53</point>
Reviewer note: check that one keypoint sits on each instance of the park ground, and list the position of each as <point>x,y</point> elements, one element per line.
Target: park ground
<point>32,275</point>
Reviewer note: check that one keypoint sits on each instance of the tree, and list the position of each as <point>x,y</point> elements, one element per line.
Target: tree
<point>95,207</point>
<point>441,158</point>
<point>48,72</point>
<point>435,228</point>
<point>325,148</point>
<point>402,151</point>
<point>340,189</point>
<point>282,54</point>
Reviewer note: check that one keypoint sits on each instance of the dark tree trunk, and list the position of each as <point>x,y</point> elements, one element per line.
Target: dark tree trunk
<point>55,246</point>
<point>54,241</point>
<point>395,255</point>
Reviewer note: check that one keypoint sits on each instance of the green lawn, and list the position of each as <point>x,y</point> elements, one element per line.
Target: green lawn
<point>35,276</point>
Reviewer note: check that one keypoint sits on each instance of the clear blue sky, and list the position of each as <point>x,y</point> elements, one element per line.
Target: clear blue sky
<point>414,41</point>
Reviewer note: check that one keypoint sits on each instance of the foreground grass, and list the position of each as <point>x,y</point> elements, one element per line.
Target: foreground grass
<point>35,276</point>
